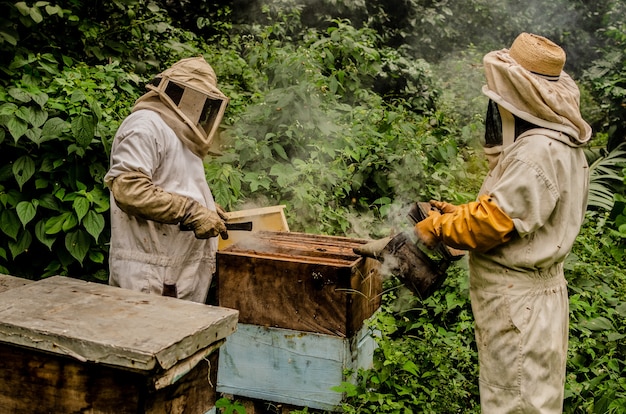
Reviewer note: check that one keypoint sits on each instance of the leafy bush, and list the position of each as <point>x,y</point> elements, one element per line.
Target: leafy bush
<point>596,379</point>
<point>426,359</point>
<point>58,122</point>
<point>330,133</point>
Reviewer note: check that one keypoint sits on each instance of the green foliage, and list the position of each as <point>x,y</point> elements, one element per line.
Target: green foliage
<point>607,76</point>
<point>426,360</point>
<point>329,133</point>
<point>596,380</point>
<point>227,406</point>
<point>137,33</point>
<point>607,178</point>
<point>55,135</point>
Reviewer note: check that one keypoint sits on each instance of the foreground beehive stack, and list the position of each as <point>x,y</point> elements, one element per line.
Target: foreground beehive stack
<point>302,301</point>
<point>70,346</point>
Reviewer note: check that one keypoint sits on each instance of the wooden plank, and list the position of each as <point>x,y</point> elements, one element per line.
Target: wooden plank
<point>291,367</point>
<point>270,218</point>
<point>9,282</point>
<point>109,325</point>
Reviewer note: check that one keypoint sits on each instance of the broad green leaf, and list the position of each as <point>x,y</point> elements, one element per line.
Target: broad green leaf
<point>280,151</point>
<point>3,253</point>
<point>97,257</point>
<point>80,206</point>
<point>41,98</point>
<point>83,129</point>
<point>35,14</point>
<point>49,201</point>
<point>11,197</point>
<point>70,222</point>
<point>40,233</point>
<point>26,211</point>
<point>410,366</point>
<point>23,169</point>
<point>34,134</point>
<point>20,94</point>
<point>55,224</point>
<point>23,113</point>
<point>599,323</point>
<point>77,243</point>
<point>94,223</point>
<point>41,183</point>
<point>2,135</point>
<point>78,96</point>
<point>17,127</point>
<point>51,10</point>
<point>8,109</point>
<point>9,223</point>
<point>53,128</point>
<point>9,36</point>
<point>37,117</point>
<point>21,244</point>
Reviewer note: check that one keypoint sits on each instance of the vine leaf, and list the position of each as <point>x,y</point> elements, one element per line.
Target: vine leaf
<point>52,128</point>
<point>40,233</point>
<point>77,243</point>
<point>23,169</point>
<point>26,211</point>
<point>83,128</point>
<point>94,223</point>
<point>80,206</point>
<point>21,244</point>
<point>9,223</point>
<point>17,127</point>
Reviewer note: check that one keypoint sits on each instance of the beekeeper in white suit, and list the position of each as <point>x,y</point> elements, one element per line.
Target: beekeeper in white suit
<point>522,226</point>
<point>164,221</point>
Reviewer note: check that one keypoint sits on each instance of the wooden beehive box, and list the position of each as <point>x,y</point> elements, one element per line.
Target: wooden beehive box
<point>304,282</point>
<point>71,346</point>
<point>302,302</point>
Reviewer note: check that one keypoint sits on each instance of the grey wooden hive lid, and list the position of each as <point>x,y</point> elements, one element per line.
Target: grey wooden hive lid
<point>109,325</point>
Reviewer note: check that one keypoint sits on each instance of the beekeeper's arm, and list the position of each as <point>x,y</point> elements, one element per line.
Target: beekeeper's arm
<point>136,195</point>
<point>131,185</point>
<point>479,225</point>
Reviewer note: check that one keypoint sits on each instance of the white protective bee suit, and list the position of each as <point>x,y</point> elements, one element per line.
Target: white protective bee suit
<point>164,224</point>
<point>523,225</point>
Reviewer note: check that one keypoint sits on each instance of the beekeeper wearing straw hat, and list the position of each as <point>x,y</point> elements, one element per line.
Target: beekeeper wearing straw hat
<point>164,221</point>
<point>522,226</point>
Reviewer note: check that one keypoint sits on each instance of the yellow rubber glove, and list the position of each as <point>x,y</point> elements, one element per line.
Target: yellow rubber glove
<point>445,208</point>
<point>479,225</point>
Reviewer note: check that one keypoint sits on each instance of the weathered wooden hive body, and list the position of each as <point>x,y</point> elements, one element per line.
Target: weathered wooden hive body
<point>302,302</point>
<point>71,346</point>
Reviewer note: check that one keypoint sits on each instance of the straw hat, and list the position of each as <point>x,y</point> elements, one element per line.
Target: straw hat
<point>538,55</point>
<point>528,80</point>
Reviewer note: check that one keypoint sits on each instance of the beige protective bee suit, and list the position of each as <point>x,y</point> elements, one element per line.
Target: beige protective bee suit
<point>522,227</point>
<point>164,224</point>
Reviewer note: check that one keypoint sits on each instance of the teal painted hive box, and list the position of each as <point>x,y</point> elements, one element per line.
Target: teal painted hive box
<point>302,301</point>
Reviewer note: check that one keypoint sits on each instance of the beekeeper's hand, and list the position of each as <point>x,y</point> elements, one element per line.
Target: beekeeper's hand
<point>443,207</point>
<point>426,231</point>
<point>479,225</point>
<point>205,223</point>
<point>221,212</point>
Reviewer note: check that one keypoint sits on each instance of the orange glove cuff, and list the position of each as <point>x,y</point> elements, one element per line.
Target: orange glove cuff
<point>480,225</point>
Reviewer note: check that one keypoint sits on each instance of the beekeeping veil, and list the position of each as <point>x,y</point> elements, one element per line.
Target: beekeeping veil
<point>526,85</point>
<point>187,98</point>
